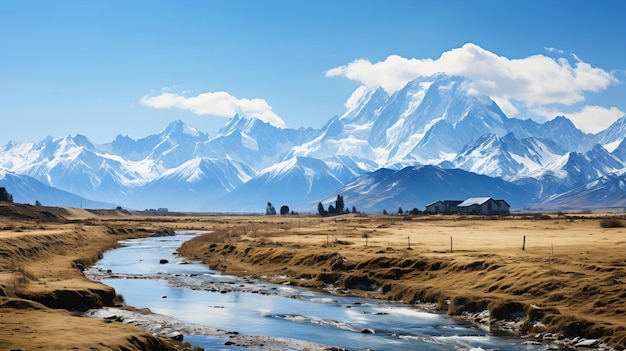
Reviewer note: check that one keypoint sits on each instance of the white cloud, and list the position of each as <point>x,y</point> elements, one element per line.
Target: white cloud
<point>530,82</point>
<point>590,119</point>
<point>550,49</point>
<point>219,103</point>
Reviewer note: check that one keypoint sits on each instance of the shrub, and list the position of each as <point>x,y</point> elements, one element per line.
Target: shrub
<point>542,217</point>
<point>611,223</point>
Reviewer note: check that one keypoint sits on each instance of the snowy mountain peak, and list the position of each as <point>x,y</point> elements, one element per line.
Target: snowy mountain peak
<point>611,137</point>
<point>179,128</point>
<point>364,102</point>
<point>244,125</point>
<point>433,120</point>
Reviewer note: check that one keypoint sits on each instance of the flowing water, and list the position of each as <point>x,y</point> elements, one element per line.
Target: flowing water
<point>192,293</point>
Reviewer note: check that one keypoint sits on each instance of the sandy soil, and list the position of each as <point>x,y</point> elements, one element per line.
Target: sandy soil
<point>568,281</point>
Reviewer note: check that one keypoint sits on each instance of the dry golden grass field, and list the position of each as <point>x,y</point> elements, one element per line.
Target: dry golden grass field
<point>563,273</point>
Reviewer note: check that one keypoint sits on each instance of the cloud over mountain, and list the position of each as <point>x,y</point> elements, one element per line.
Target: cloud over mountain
<point>219,103</point>
<point>433,121</point>
<point>529,83</point>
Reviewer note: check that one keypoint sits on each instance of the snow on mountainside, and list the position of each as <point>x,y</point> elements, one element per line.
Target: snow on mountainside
<point>392,129</point>
<point>507,156</point>
<point>293,182</point>
<point>620,151</point>
<point>257,143</point>
<point>192,186</point>
<point>431,121</point>
<point>611,137</point>
<point>608,191</point>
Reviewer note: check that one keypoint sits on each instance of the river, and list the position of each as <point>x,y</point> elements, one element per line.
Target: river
<point>149,274</point>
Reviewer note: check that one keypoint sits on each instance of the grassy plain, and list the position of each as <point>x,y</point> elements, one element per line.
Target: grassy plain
<point>562,274</point>
<point>568,279</point>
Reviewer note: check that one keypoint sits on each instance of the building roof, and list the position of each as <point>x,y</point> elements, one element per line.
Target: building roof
<point>432,203</point>
<point>474,201</point>
<point>445,202</point>
<point>503,201</point>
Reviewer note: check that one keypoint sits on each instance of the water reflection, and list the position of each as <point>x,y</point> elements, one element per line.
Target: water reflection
<point>182,291</point>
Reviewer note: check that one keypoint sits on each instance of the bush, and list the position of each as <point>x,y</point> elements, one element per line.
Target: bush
<point>611,223</point>
<point>542,217</point>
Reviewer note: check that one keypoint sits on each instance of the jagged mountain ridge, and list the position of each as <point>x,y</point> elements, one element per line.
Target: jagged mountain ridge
<point>432,121</point>
<point>604,192</point>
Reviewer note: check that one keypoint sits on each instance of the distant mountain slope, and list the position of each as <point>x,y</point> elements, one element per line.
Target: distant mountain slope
<point>28,190</point>
<point>192,186</point>
<point>415,187</point>
<point>431,121</point>
<point>291,183</point>
<point>605,192</point>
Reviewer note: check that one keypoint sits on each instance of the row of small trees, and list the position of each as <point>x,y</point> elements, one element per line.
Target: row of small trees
<point>414,211</point>
<point>339,208</point>
<point>271,210</point>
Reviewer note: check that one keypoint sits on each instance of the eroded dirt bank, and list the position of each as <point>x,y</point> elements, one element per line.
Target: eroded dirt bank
<point>551,277</point>
<point>42,288</point>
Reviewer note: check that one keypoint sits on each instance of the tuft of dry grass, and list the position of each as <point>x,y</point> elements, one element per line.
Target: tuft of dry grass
<point>611,223</point>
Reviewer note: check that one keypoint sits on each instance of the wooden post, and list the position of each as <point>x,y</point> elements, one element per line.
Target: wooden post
<point>451,245</point>
<point>524,244</point>
<point>408,238</point>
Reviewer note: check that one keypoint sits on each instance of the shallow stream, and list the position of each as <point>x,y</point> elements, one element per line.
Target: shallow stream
<point>148,273</point>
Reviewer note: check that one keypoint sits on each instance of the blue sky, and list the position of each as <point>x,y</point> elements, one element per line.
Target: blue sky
<point>103,68</point>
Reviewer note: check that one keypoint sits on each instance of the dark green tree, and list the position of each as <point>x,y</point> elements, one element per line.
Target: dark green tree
<point>332,210</point>
<point>270,210</point>
<point>354,209</point>
<point>339,205</point>
<point>400,210</point>
<point>320,209</point>
<point>284,209</point>
<point>5,195</point>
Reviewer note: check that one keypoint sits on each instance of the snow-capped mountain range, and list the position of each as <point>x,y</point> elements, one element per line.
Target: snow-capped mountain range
<point>432,140</point>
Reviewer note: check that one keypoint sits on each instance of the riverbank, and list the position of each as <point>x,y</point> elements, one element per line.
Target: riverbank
<point>42,288</point>
<point>545,277</point>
